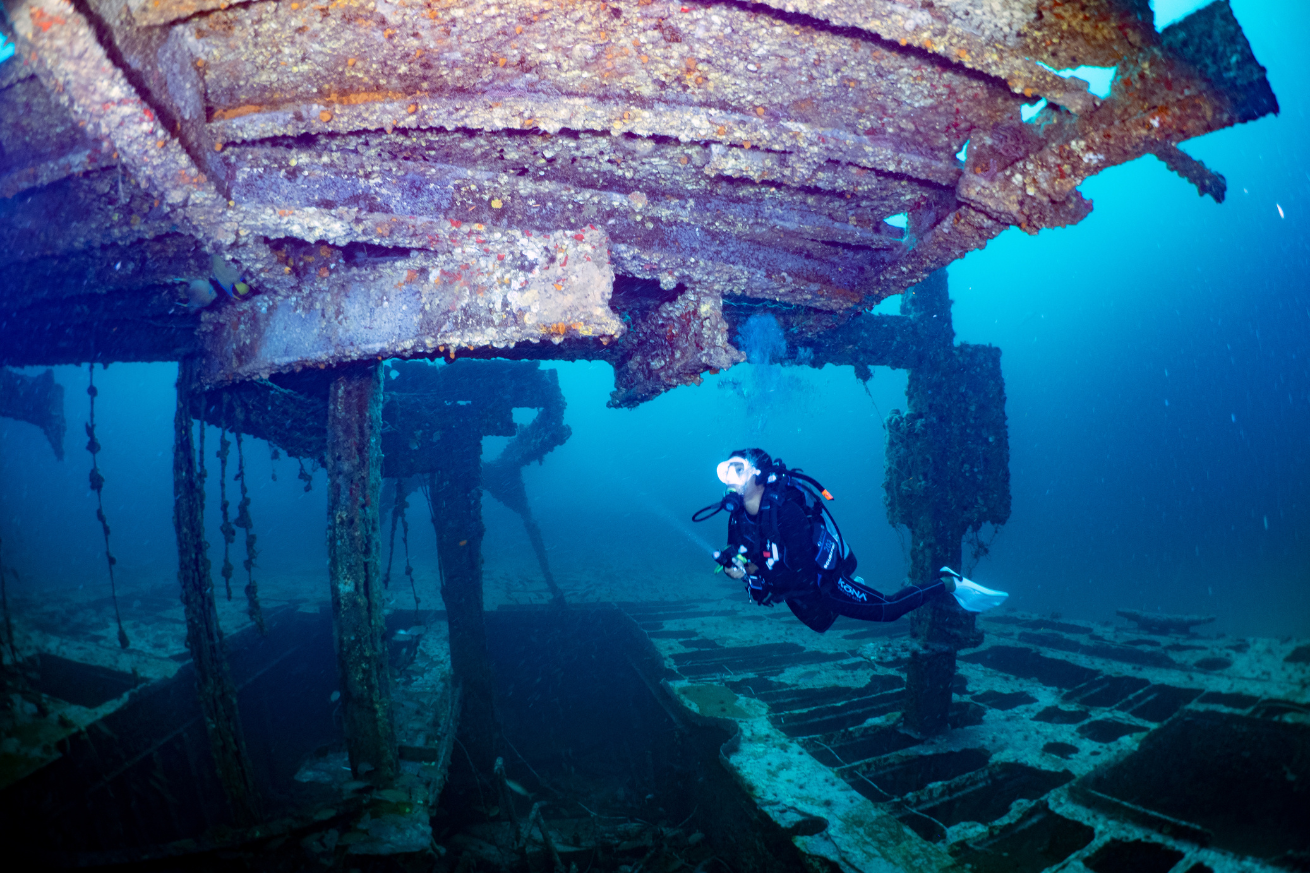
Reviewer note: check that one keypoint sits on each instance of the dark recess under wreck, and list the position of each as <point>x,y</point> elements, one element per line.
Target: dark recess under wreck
<point>630,183</point>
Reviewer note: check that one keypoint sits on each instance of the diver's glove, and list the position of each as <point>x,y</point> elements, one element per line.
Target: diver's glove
<point>971,596</point>
<point>727,559</point>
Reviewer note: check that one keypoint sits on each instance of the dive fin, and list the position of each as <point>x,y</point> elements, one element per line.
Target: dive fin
<point>973,597</point>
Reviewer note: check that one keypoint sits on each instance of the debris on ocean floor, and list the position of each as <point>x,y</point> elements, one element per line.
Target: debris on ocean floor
<point>680,732</point>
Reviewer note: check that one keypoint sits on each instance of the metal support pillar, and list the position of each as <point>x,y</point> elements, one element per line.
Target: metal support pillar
<point>936,531</point>
<point>37,399</point>
<point>354,467</point>
<point>947,473</point>
<point>503,480</point>
<point>218,698</point>
<point>456,490</point>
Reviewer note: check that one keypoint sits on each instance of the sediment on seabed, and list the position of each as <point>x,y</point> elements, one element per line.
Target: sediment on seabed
<point>669,734</point>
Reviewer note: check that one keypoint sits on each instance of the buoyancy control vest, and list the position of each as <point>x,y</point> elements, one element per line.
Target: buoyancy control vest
<point>826,551</point>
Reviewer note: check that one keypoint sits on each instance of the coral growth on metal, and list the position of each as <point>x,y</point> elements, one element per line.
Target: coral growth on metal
<point>737,149</point>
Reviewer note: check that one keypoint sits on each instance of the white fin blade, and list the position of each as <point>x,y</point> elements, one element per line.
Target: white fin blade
<point>973,597</point>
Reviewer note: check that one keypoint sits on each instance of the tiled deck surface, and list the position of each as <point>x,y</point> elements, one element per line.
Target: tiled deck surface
<point>1087,746</point>
<point>1075,746</point>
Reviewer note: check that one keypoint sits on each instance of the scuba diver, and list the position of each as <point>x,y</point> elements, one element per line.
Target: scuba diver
<point>786,546</point>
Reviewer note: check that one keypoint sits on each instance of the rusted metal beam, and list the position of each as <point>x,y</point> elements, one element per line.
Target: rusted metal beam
<point>1199,76</point>
<point>218,696</point>
<point>40,143</point>
<point>153,12</point>
<point>493,290</point>
<point>35,399</point>
<point>743,150</point>
<point>61,45</point>
<point>1207,181</point>
<point>673,346</point>
<point>456,495</point>
<point>294,421</point>
<point>354,449</point>
<point>947,472</point>
<point>679,222</point>
<point>991,41</point>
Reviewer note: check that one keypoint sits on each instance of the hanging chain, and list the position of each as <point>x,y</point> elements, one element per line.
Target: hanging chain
<point>427,489</point>
<point>229,532</point>
<point>397,510</point>
<point>243,521</point>
<point>979,548</point>
<point>404,538</point>
<point>97,485</point>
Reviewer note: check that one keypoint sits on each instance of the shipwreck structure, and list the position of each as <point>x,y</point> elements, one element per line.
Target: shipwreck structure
<point>280,196</point>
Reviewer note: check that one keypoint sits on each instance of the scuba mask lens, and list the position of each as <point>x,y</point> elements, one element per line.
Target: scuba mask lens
<point>736,472</point>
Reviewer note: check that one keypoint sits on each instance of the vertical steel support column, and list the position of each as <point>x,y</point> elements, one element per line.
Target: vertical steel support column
<point>925,441</point>
<point>218,699</point>
<point>456,490</point>
<point>354,467</point>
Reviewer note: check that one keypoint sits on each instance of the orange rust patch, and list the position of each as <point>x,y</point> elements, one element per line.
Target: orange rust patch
<point>44,21</point>
<point>238,111</point>
<point>355,99</point>
<point>360,97</point>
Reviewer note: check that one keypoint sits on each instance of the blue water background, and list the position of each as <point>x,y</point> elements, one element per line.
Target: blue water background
<point>1157,365</point>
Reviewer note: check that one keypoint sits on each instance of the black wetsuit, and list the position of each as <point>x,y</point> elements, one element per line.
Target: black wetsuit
<point>791,574</point>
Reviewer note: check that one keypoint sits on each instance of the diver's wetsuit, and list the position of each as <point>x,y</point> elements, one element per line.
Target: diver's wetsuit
<point>814,595</point>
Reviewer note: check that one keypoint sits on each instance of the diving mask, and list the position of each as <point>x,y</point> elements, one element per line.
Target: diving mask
<point>736,472</point>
